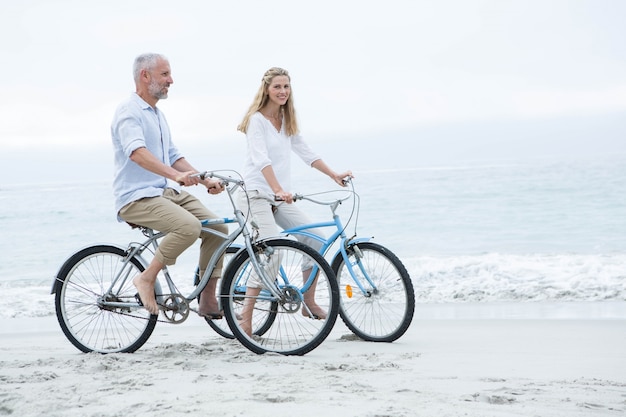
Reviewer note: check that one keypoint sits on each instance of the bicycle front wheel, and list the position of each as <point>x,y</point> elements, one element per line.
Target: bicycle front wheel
<point>304,312</point>
<point>89,280</point>
<point>221,326</point>
<point>377,297</point>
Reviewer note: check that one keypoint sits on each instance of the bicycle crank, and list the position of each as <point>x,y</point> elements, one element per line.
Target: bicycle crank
<point>175,308</point>
<point>290,300</point>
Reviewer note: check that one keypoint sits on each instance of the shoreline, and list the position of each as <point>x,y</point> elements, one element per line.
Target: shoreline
<point>501,310</point>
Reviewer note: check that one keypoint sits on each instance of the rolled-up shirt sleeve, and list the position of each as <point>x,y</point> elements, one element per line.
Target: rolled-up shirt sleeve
<point>129,132</point>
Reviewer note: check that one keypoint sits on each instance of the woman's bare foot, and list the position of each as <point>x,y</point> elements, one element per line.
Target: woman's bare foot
<point>310,307</point>
<point>145,288</point>
<point>318,312</point>
<point>245,319</point>
<point>246,326</point>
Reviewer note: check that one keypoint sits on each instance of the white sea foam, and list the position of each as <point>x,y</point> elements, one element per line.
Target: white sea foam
<point>436,279</point>
<point>502,277</point>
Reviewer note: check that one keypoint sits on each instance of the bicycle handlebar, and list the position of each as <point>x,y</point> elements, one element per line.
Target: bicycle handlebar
<point>297,196</point>
<point>225,181</point>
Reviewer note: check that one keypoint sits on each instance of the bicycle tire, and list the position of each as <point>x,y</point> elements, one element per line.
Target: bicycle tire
<point>382,315</point>
<point>79,286</point>
<point>290,333</point>
<point>221,327</point>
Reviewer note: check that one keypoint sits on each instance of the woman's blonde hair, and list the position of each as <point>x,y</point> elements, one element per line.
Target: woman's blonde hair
<point>262,97</point>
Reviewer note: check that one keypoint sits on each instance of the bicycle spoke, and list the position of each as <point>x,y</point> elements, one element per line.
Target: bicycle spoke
<point>278,323</point>
<point>377,298</point>
<point>81,302</point>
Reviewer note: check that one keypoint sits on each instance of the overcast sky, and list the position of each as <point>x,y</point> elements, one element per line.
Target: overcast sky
<point>357,67</point>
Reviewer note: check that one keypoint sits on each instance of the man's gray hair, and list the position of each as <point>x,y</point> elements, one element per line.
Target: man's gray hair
<point>145,61</point>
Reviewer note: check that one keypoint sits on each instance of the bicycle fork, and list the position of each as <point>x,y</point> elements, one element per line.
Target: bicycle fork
<point>351,262</point>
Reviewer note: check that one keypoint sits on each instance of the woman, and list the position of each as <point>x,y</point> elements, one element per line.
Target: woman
<point>272,134</point>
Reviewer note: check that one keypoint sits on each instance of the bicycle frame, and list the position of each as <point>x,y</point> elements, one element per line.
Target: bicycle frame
<point>136,249</point>
<point>339,233</point>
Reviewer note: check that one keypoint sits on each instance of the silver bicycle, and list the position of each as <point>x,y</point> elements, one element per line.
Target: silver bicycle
<point>97,308</point>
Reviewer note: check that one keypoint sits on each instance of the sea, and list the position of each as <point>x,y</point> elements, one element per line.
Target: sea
<point>491,231</point>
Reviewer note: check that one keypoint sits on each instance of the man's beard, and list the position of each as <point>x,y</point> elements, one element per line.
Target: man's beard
<point>157,91</point>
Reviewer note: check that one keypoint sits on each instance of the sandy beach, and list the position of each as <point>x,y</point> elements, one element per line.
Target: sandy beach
<point>520,359</point>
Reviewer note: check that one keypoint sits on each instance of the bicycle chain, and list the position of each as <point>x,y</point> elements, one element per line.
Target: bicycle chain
<point>162,307</point>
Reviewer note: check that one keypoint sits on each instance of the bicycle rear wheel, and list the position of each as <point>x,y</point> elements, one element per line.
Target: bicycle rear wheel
<point>293,330</point>
<point>80,290</point>
<point>383,310</point>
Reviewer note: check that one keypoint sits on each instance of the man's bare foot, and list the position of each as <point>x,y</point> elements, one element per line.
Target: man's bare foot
<point>145,289</point>
<point>317,311</point>
<point>212,315</point>
<point>208,306</point>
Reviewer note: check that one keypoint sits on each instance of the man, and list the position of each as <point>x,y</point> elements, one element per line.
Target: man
<point>148,171</point>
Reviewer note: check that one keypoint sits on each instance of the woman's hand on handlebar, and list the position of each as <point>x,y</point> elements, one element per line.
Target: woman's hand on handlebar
<point>343,179</point>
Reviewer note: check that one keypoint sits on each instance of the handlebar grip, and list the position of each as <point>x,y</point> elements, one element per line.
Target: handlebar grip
<point>201,175</point>
<point>295,197</point>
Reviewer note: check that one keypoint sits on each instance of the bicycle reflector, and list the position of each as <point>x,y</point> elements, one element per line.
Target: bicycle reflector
<point>349,291</point>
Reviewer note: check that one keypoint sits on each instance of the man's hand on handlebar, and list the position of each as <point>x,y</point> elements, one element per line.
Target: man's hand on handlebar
<point>284,196</point>
<point>213,186</point>
<point>188,178</point>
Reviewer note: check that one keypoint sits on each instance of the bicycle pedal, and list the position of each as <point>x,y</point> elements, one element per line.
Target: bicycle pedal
<point>138,299</point>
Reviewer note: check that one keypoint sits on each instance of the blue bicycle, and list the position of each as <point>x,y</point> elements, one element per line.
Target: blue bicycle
<point>377,299</point>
